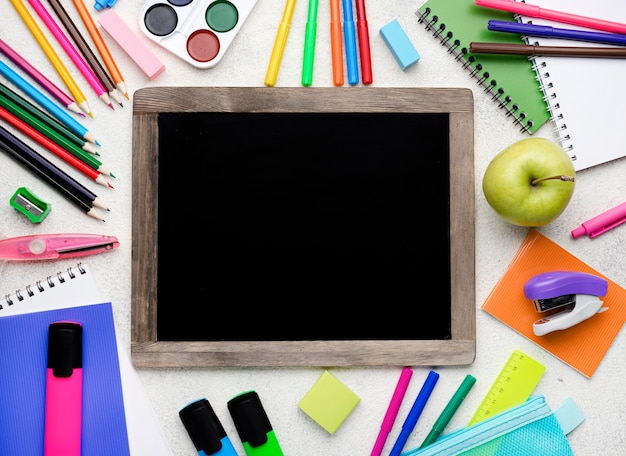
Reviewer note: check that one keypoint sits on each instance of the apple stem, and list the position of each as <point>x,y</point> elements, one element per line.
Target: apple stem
<point>559,177</point>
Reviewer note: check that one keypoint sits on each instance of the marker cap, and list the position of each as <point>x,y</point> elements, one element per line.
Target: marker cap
<point>204,428</point>
<point>65,348</point>
<point>253,425</point>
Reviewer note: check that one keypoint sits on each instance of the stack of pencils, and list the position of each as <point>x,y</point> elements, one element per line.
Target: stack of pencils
<point>44,112</point>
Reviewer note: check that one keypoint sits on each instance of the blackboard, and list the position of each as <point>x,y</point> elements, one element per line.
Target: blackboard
<point>302,226</point>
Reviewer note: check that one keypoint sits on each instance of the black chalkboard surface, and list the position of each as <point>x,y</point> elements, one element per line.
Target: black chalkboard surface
<point>302,227</point>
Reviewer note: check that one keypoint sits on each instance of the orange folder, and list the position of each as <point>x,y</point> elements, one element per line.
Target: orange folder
<point>582,346</point>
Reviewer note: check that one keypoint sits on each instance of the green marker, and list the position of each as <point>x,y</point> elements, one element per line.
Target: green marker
<point>449,411</point>
<point>253,425</point>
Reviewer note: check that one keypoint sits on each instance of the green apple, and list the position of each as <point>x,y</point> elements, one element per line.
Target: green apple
<point>530,182</point>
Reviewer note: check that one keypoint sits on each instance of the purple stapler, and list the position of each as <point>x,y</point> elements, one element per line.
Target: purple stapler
<point>576,293</point>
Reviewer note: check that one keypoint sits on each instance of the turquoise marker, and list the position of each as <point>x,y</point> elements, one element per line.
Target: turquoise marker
<point>449,411</point>
<point>309,44</point>
<point>46,103</point>
<point>253,425</point>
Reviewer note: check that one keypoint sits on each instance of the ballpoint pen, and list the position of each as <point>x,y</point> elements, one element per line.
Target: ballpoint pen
<point>554,32</point>
<point>526,9</point>
<point>55,246</point>
<point>415,412</point>
<point>449,411</point>
<point>602,223</point>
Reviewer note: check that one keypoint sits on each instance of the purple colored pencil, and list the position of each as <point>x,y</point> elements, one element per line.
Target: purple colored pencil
<point>41,79</point>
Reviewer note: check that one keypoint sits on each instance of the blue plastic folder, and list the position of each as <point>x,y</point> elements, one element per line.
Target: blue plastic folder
<point>24,342</point>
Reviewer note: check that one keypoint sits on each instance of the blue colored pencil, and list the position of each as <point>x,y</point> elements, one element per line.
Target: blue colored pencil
<point>46,103</point>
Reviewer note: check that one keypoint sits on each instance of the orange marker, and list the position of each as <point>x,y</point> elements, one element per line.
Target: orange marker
<point>101,46</point>
<point>336,43</point>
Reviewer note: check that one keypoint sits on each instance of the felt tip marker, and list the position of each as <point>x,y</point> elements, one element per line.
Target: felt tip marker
<point>253,425</point>
<point>206,431</point>
<point>64,390</point>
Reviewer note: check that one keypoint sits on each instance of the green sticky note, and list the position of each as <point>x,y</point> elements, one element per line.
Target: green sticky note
<point>329,402</point>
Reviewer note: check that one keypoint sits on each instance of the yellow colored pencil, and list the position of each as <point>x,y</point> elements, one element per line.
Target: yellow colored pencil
<point>54,58</point>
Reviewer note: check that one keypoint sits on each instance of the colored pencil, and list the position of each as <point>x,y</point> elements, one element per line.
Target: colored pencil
<point>46,103</point>
<point>101,46</point>
<point>41,79</point>
<point>336,42</point>
<point>54,135</point>
<point>85,49</point>
<point>73,190</point>
<point>52,146</point>
<point>54,58</point>
<point>71,51</point>
<point>10,100</point>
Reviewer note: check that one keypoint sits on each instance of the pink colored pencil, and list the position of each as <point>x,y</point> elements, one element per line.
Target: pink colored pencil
<point>72,52</point>
<point>41,79</point>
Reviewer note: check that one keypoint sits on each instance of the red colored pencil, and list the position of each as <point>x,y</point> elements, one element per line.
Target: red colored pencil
<point>54,147</point>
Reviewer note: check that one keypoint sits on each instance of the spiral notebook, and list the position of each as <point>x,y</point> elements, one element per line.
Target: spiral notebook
<point>585,96</point>
<point>509,80</point>
<point>73,292</point>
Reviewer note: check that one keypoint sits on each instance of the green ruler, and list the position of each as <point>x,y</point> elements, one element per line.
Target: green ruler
<point>513,386</point>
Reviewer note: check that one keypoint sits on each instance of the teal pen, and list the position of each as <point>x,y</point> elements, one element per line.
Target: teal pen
<point>449,411</point>
<point>309,44</point>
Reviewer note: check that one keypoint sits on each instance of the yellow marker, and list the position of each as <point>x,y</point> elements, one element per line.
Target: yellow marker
<point>45,45</point>
<point>279,44</point>
<point>513,386</point>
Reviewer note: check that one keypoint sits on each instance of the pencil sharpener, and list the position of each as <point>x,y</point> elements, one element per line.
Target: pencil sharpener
<point>26,202</point>
<point>569,297</point>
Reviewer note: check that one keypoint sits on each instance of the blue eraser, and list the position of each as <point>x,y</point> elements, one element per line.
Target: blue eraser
<point>399,44</point>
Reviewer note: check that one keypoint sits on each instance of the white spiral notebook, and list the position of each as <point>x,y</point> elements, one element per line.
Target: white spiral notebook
<point>585,95</point>
<point>76,286</point>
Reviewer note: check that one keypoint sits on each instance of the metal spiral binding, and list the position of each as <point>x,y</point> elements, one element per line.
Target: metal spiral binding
<point>40,285</point>
<point>550,96</point>
<point>475,70</point>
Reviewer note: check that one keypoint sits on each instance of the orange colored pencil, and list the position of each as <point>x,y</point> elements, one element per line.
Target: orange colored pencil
<point>101,46</point>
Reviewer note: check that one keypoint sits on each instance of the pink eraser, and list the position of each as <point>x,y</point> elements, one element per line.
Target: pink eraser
<point>132,45</point>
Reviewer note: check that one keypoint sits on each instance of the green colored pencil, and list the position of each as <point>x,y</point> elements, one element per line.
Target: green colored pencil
<point>55,136</point>
<point>42,115</point>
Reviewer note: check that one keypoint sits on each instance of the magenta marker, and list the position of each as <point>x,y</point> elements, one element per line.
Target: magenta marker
<point>64,390</point>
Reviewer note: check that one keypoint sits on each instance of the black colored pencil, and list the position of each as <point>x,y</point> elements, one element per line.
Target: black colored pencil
<point>73,190</point>
<point>6,93</point>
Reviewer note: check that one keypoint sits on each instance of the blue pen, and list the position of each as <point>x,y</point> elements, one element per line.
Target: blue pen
<point>349,34</point>
<point>553,32</point>
<point>46,103</point>
<point>205,429</point>
<point>415,412</point>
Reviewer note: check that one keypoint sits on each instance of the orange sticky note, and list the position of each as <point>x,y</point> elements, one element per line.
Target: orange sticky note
<point>582,346</point>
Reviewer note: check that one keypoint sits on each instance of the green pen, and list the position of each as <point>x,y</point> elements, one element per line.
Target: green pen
<point>309,44</point>
<point>449,411</point>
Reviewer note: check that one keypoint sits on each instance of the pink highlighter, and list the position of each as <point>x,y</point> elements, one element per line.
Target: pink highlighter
<point>64,390</point>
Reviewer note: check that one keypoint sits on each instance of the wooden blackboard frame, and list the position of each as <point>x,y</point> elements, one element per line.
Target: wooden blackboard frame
<point>148,351</point>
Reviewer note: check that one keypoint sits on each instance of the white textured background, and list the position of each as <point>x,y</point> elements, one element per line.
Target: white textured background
<point>601,398</point>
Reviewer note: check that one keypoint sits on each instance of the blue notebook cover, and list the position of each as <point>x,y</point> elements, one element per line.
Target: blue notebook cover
<point>23,360</point>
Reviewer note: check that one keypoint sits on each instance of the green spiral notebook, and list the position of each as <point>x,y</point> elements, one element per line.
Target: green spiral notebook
<point>510,80</point>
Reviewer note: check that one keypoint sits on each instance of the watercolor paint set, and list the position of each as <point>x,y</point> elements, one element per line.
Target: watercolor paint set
<point>197,31</point>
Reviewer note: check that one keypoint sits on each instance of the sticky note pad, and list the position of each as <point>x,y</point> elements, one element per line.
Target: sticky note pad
<point>329,402</point>
<point>399,44</point>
